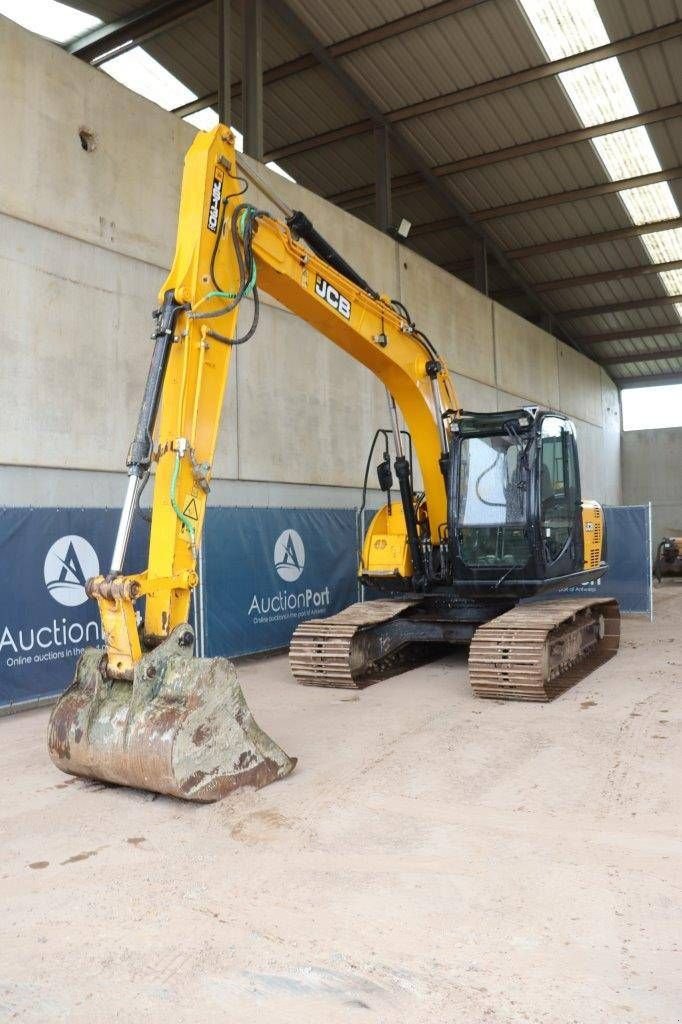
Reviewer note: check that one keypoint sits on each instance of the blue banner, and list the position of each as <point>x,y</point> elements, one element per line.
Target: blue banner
<point>46,618</point>
<point>263,570</point>
<point>629,577</point>
<point>267,569</point>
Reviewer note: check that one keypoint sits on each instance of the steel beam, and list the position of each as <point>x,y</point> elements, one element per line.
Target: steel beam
<point>409,152</point>
<point>580,241</point>
<point>431,227</point>
<point>359,196</point>
<point>224,62</point>
<point>556,199</point>
<point>396,27</point>
<point>583,134</point>
<point>382,153</point>
<point>349,45</point>
<point>252,77</point>
<point>624,273</point>
<point>648,380</point>
<point>489,88</point>
<point>116,37</point>
<point>655,331</point>
<point>619,307</point>
<point>605,188</point>
<point>642,357</point>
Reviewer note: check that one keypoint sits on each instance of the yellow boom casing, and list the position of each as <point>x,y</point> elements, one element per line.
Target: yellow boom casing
<point>385,551</point>
<point>593,534</point>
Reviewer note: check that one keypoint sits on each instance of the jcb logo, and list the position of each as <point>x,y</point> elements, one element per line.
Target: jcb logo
<point>216,196</point>
<point>335,299</point>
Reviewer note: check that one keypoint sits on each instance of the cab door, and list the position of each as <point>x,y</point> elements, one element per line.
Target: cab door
<point>560,515</point>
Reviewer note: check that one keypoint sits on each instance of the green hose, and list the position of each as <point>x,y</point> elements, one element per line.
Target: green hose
<point>252,280</point>
<point>174,501</point>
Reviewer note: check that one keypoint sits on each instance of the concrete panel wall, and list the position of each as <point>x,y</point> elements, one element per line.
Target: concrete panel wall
<point>580,385</point>
<point>111,197</point>
<point>456,318</point>
<point>651,461</point>
<point>526,359</point>
<point>85,240</point>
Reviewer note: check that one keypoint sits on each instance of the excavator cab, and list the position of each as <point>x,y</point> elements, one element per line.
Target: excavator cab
<point>518,525</point>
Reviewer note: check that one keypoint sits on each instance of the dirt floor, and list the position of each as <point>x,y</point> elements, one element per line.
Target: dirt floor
<point>433,858</point>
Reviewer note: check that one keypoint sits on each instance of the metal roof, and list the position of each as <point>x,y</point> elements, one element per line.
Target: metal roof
<point>464,83</point>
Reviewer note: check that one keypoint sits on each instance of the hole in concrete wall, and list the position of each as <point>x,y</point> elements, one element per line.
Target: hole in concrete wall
<point>88,140</point>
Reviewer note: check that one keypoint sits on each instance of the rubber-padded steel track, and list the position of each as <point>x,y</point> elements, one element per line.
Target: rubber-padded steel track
<point>330,652</point>
<point>537,651</point>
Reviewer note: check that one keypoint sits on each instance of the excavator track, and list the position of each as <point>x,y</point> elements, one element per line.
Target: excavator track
<point>537,651</point>
<point>335,652</point>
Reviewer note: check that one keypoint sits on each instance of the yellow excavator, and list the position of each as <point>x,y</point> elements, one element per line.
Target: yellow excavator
<point>498,516</point>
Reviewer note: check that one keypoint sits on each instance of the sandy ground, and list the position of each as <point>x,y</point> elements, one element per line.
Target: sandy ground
<point>433,858</point>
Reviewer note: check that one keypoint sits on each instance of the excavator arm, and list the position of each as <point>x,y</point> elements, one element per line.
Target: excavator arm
<point>226,250</point>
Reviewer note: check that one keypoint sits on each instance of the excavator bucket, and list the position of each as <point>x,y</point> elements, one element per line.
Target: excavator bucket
<point>182,727</point>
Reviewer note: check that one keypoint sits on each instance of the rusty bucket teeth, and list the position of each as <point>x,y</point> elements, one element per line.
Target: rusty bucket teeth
<point>182,727</point>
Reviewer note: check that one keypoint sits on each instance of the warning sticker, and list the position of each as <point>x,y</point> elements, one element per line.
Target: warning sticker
<point>190,510</point>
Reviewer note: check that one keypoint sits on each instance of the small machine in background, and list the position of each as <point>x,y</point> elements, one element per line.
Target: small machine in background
<point>668,560</point>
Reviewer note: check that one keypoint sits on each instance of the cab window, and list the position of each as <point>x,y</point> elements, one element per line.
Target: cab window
<point>558,485</point>
<point>491,509</point>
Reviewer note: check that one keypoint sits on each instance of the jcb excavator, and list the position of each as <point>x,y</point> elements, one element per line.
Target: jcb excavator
<point>500,516</point>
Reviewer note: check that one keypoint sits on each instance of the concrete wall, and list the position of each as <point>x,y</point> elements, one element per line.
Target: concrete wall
<point>651,472</point>
<point>85,238</point>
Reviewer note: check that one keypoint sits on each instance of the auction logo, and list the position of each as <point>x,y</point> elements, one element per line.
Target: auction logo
<point>69,563</point>
<point>289,555</point>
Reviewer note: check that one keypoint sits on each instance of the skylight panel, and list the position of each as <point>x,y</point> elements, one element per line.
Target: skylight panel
<point>49,18</point>
<point>565,28</point>
<point>649,203</point>
<point>672,279</point>
<point>627,153</point>
<point>664,246</point>
<point>600,93</point>
<point>204,119</point>
<point>279,170</point>
<point>144,75</point>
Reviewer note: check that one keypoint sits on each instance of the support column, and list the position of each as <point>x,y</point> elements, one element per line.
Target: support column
<point>224,61</point>
<point>480,265</point>
<point>382,163</point>
<point>252,77</point>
